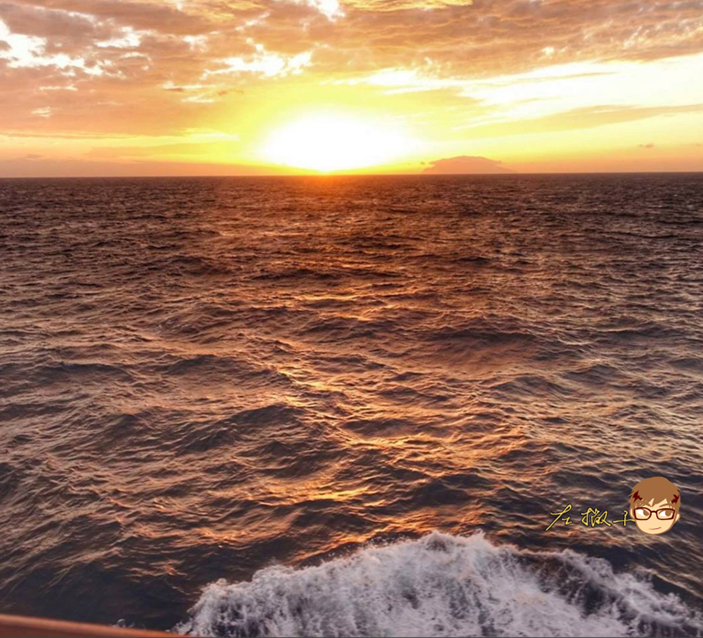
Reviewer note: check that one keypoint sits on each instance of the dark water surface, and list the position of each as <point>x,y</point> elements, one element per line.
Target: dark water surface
<point>296,380</point>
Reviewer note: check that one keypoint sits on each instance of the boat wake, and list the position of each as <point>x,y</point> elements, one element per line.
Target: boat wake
<point>443,585</point>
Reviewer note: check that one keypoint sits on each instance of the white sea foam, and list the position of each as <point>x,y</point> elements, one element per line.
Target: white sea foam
<point>443,585</point>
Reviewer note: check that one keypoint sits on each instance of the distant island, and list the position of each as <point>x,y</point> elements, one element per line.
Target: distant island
<point>465,165</point>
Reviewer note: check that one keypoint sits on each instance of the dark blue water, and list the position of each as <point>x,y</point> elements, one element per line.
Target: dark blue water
<point>347,406</point>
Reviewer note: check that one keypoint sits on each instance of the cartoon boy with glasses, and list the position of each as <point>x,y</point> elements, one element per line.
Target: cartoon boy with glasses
<point>654,504</point>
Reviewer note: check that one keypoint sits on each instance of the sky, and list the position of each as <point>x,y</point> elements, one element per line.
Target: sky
<point>248,87</point>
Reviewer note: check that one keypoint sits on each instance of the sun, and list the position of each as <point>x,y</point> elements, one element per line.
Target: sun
<point>330,142</point>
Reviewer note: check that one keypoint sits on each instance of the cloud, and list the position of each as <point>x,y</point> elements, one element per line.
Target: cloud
<point>465,165</point>
<point>575,119</point>
<point>329,8</point>
<point>42,112</point>
<point>44,167</point>
<point>264,64</point>
<point>156,15</point>
<point>202,150</point>
<point>649,145</point>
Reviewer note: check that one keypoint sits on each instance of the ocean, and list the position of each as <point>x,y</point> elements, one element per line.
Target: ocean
<point>348,406</point>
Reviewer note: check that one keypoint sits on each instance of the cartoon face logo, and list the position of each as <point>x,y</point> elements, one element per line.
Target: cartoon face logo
<point>654,504</point>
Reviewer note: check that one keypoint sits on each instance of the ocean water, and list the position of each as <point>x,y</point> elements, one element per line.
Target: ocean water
<point>348,405</point>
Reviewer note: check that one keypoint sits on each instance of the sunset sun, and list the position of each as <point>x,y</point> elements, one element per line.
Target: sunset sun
<point>334,142</point>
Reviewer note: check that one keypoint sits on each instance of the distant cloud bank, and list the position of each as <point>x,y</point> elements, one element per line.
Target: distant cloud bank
<point>466,165</point>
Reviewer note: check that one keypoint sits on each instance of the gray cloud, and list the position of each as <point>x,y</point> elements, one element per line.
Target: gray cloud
<point>466,165</point>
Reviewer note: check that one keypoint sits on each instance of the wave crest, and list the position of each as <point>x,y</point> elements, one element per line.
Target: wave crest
<point>443,585</point>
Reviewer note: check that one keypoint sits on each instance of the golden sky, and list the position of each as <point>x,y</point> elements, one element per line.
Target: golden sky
<point>199,87</point>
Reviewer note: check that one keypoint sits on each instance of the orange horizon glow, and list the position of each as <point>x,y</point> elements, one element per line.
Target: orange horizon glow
<point>159,87</point>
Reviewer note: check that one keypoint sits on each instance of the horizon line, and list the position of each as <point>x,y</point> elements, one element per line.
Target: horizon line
<point>331,175</point>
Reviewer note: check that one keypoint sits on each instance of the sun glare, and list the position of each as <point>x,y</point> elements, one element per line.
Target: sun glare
<point>332,142</point>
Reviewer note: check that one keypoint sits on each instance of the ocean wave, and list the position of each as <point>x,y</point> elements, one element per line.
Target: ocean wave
<point>443,585</point>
